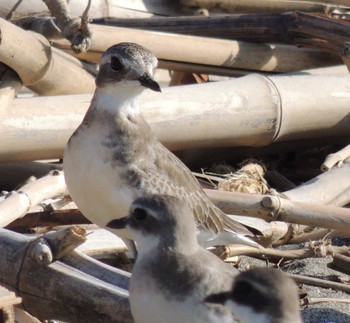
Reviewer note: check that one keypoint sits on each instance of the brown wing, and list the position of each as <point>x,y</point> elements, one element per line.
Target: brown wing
<point>166,174</point>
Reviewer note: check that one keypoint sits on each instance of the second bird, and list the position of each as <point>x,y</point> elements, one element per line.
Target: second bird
<point>113,157</point>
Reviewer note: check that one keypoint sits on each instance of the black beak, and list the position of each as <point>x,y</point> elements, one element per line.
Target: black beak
<point>219,298</point>
<point>147,81</point>
<point>117,223</point>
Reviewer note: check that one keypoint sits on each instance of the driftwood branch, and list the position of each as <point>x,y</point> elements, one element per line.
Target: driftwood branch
<point>88,292</point>
<point>320,282</point>
<point>73,29</point>
<point>342,263</point>
<point>18,203</point>
<point>314,250</point>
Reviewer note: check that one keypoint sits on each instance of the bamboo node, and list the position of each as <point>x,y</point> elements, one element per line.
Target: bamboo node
<point>272,203</point>
<point>41,252</point>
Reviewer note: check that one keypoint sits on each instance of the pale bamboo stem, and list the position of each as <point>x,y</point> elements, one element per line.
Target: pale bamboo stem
<point>19,202</point>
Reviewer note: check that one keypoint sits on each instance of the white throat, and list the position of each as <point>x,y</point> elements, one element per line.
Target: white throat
<point>146,244</point>
<point>118,98</point>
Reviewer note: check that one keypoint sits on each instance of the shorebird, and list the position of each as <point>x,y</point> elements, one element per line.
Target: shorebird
<point>261,295</point>
<point>173,274</point>
<point>113,157</point>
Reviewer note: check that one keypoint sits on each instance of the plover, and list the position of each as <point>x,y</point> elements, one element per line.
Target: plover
<point>262,295</point>
<point>113,157</point>
<point>173,274</point>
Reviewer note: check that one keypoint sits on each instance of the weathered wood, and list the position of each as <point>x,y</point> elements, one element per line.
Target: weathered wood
<point>219,114</point>
<point>43,69</point>
<point>99,8</point>
<point>336,159</point>
<point>329,188</point>
<point>299,279</point>
<point>319,235</point>
<point>267,5</point>
<point>18,203</point>
<point>300,28</point>
<point>275,255</point>
<point>204,50</point>
<point>274,208</point>
<point>342,263</point>
<point>48,218</point>
<point>60,291</point>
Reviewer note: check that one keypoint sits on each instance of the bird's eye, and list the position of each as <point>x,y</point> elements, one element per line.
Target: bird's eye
<point>139,214</point>
<point>116,64</point>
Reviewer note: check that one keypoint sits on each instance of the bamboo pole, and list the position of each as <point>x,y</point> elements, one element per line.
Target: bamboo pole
<point>203,50</point>
<point>99,8</point>
<point>17,203</point>
<point>336,159</point>
<point>275,208</point>
<point>329,188</point>
<point>43,69</point>
<point>249,111</point>
<point>249,6</point>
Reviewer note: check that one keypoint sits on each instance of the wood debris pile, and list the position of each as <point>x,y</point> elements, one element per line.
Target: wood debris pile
<point>257,101</point>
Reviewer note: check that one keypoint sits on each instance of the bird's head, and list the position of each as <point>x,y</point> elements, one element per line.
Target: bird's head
<point>129,63</point>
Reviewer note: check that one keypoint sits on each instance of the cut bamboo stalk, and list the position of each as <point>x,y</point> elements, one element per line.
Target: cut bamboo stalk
<point>336,159</point>
<point>203,50</point>
<point>329,188</point>
<point>274,208</point>
<point>60,291</point>
<point>41,68</point>
<point>19,202</point>
<point>217,114</point>
<point>249,6</point>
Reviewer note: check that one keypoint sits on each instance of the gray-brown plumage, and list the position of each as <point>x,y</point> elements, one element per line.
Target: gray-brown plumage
<point>113,157</point>
<point>173,275</point>
<point>261,295</point>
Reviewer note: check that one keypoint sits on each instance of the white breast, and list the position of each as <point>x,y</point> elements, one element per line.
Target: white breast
<point>95,186</point>
<point>149,305</point>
